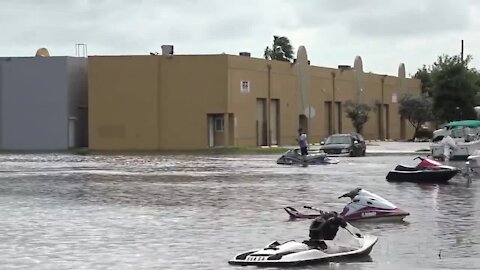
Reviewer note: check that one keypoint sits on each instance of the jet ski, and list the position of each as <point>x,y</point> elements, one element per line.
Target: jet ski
<point>427,170</point>
<point>347,242</point>
<point>293,157</point>
<point>364,205</point>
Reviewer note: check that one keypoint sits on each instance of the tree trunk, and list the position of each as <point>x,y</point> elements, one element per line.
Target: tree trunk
<point>417,127</point>
<point>358,128</point>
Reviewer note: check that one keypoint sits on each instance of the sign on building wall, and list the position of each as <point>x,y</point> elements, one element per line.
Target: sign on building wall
<point>245,86</point>
<point>394,98</point>
<point>309,112</point>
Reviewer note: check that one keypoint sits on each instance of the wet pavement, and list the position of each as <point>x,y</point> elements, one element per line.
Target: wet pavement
<point>388,147</point>
<point>198,211</point>
<point>381,147</point>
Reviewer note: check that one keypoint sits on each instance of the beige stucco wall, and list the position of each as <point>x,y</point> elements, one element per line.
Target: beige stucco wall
<point>122,103</point>
<point>154,102</point>
<point>162,103</point>
<point>243,105</point>
<point>391,96</point>
<point>191,87</point>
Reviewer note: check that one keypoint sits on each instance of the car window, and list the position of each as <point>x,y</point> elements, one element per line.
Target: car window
<point>335,139</point>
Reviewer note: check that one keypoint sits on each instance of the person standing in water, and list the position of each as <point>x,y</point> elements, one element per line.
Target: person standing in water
<point>449,145</point>
<point>303,144</point>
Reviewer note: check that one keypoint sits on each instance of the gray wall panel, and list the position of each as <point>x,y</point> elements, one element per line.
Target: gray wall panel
<point>34,105</point>
<point>1,114</point>
<point>78,97</point>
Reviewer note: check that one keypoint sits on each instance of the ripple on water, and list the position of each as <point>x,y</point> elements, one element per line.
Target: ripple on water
<point>183,211</point>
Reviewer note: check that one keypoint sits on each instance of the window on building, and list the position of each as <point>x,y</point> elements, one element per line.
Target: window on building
<point>245,86</point>
<point>219,124</point>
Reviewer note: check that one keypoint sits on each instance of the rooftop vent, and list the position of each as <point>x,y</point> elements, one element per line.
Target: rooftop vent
<point>245,54</point>
<point>42,52</point>
<point>81,50</point>
<point>344,67</point>
<point>167,49</point>
<point>295,61</point>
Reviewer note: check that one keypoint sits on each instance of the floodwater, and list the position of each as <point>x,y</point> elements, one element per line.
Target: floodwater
<point>197,212</point>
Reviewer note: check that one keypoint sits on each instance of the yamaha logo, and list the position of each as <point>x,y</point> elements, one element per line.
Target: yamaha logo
<point>369,214</point>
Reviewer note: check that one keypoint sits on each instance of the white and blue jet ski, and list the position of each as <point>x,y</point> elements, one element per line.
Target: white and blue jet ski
<point>348,242</point>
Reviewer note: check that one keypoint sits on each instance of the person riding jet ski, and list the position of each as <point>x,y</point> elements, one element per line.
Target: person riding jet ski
<point>325,227</point>
<point>331,238</point>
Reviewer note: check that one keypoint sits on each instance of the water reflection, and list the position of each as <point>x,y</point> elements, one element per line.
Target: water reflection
<point>178,212</point>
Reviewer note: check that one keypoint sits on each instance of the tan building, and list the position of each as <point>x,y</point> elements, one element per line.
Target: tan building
<point>178,102</point>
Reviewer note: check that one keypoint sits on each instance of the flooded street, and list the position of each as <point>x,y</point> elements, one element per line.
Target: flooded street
<point>61,211</point>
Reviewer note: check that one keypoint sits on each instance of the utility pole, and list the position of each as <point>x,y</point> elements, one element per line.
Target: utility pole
<point>461,51</point>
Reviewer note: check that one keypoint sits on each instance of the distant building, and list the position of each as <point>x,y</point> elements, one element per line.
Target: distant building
<point>43,102</point>
<point>175,102</point>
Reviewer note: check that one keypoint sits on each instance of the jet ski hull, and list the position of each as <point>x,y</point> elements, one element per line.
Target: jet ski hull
<point>377,215</point>
<point>300,254</point>
<point>427,170</point>
<point>422,176</point>
<point>397,215</point>
<point>364,205</point>
<point>292,157</point>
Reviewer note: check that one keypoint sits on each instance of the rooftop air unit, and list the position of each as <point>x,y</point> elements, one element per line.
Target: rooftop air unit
<point>167,49</point>
<point>344,67</point>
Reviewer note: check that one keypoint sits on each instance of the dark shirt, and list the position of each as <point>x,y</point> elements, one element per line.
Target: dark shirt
<point>325,227</point>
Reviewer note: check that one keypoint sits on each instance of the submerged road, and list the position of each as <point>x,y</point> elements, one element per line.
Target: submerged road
<point>196,212</point>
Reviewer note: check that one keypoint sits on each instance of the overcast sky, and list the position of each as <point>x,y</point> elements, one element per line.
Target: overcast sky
<point>383,32</point>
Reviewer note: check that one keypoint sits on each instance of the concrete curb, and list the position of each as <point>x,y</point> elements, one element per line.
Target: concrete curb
<point>395,153</point>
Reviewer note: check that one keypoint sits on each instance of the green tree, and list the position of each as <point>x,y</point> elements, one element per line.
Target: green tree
<point>281,50</point>
<point>477,98</point>
<point>423,74</point>
<point>417,109</point>
<point>358,113</point>
<point>453,87</point>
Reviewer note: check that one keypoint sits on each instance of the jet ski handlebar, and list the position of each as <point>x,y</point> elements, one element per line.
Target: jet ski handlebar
<point>351,194</point>
<point>313,208</point>
<point>419,157</point>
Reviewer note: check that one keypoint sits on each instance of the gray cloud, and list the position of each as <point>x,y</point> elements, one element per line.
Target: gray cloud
<point>379,18</point>
<point>334,32</point>
<point>433,18</point>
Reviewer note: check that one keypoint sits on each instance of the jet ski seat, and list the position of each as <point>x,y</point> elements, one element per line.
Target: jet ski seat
<point>405,168</point>
<point>317,244</point>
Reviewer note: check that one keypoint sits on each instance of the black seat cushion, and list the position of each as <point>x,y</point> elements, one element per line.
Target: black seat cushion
<point>405,168</point>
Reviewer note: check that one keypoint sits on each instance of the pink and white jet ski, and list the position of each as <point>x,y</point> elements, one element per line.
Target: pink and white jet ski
<point>364,205</point>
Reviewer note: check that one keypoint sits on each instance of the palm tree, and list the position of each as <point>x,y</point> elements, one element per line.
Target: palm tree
<point>281,50</point>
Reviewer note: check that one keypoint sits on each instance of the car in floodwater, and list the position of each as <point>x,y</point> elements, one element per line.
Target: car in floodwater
<point>348,144</point>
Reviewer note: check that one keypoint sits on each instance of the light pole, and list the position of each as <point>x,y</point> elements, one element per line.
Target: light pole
<point>380,113</point>
<point>269,96</point>
<point>332,108</point>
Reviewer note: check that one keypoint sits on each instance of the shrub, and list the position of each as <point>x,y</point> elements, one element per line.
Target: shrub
<point>424,134</point>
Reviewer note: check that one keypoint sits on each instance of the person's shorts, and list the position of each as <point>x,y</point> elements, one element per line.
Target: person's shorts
<point>304,151</point>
